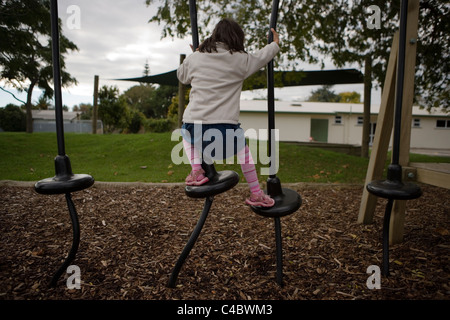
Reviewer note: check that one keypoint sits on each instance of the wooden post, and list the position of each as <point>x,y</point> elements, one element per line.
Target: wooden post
<point>384,126</point>
<point>382,136</point>
<point>367,100</point>
<point>181,94</point>
<point>398,212</point>
<point>94,111</point>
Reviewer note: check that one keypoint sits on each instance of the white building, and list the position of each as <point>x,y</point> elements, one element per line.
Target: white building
<point>340,123</point>
<point>44,121</point>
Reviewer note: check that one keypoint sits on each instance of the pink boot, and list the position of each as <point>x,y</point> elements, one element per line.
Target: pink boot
<point>260,200</point>
<point>196,178</point>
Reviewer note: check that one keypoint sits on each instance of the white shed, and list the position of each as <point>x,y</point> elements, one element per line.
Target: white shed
<point>340,123</point>
<point>44,121</point>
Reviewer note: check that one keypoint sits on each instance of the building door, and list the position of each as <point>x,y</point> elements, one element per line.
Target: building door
<point>319,130</point>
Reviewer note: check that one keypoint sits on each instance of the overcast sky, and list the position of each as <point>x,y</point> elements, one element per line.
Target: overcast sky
<point>115,40</point>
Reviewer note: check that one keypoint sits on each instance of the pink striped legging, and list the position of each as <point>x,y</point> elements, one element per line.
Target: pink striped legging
<point>245,159</point>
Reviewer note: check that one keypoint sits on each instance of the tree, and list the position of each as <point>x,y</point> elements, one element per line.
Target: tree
<point>25,49</point>
<point>146,71</point>
<point>349,97</point>
<point>324,94</point>
<point>139,98</point>
<point>252,15</point>
<point>152,102</point>
<point>432,79</point>
<point>85,109</point>
<point>161,100</point>
<point>136,121</point>
<point>12,118</point>
<point>173,107</point>
<point>113,110</point>
<point>353,38</point>
<point>337,29</point>
<point>43,103</point>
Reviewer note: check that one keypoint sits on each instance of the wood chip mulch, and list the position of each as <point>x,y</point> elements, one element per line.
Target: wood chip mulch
<point>132,235</point>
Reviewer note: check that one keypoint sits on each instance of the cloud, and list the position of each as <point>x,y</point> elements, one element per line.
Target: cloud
<point>115,41</point>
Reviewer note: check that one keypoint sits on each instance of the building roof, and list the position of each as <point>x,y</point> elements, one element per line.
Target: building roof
<point>331,108</point>
<point>50,115</point>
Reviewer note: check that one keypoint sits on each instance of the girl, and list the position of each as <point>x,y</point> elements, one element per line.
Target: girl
<point>216,72</point>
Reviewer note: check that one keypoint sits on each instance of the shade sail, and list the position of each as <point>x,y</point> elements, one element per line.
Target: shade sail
<point>168,78</point>
<point>282,78</point>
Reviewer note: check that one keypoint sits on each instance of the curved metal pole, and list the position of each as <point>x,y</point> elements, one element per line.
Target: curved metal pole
<point>75,241</point>
<point>57,77</point>
<point>270,88</point>
<point>386,221</point>
<point>400,80</point>
<point>191,242</point>
<point>194,27</point>
<point>394,170</point>
<point>279,251</point>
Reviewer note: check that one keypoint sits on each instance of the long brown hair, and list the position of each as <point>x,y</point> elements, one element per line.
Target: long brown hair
<point>227,31</point>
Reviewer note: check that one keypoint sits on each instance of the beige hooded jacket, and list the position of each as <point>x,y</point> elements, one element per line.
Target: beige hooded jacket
<point>216,82</point>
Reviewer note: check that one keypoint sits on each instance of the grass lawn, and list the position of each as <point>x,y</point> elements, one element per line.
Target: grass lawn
<point>147,158</point>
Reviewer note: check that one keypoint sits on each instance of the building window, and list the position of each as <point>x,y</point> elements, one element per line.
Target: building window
<point>338,120</point>
<point>445,124</point>
<point>360,120</point>
<point>416,123</point>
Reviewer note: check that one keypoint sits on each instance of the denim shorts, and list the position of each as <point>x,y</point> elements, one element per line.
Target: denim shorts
<point>218,141</point>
